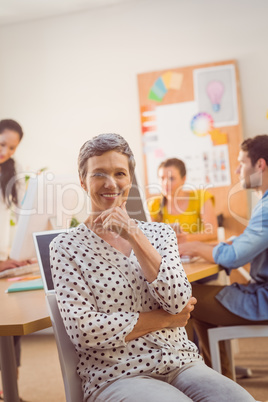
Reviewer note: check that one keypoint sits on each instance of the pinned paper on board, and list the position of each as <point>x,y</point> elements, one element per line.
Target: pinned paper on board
<point>159,153</point>
<point>192,124</point>
<point>181,132</point>
<point>218,137</point>
<point>202,124</point>
<point>215,90</point>
<point>148,119</point>
<point>168,80</point>
<point>192,113</point>
<point>215,93</point>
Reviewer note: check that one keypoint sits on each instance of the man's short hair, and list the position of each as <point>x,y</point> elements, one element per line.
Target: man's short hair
<point>256,147</point>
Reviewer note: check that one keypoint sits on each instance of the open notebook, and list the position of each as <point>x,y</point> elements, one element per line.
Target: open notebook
<point>21,286</point>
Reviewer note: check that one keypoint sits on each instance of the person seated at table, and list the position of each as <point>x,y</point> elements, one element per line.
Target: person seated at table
<point>190,212</point>
<point>124,296</point>
<point>238,304</point>
<point>10,136</point>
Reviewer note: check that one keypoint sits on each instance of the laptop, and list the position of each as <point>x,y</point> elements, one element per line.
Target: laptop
<point>136,203</point>
<point>41,243</point>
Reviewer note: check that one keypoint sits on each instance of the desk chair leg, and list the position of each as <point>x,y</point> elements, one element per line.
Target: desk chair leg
<point>8,369</point>
<point>215,354</point>
<point>236,370</point>
<point>230,353</point>
<point>243,372</point>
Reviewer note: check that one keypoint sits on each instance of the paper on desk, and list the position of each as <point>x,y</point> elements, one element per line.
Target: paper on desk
<point>186,259</point>
<point>21,286</point>
<point>23,278</point>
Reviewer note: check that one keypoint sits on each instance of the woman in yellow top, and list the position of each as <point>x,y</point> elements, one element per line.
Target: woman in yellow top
<point>191,213</point>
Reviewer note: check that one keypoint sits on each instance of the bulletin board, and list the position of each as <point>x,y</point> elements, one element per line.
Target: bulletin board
<point>193,113</point>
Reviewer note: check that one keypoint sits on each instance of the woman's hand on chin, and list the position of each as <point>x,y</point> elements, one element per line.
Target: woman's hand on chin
<point>117,220</point>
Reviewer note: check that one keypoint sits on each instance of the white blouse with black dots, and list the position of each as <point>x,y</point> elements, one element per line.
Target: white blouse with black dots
<point>101,292</point>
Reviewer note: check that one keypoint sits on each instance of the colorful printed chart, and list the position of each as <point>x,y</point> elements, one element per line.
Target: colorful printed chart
<point>168,80</point>
<point>202,124</point>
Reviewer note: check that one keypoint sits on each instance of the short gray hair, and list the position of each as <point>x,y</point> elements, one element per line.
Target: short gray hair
<point>100,144</point>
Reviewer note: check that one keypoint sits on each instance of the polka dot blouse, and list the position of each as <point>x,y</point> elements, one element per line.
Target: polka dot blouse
<point>101,292</point>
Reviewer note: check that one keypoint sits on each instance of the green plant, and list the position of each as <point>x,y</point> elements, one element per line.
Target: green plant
<point>74,222</point>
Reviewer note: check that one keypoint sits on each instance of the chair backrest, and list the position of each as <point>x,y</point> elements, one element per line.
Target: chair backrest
<point>215,335</point>
<point>67,355</point>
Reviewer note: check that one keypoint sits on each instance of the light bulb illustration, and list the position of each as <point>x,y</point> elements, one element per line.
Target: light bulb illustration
<point>215,90</point>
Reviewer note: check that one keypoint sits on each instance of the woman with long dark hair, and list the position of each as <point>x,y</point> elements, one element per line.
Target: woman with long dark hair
<point>10,136</point>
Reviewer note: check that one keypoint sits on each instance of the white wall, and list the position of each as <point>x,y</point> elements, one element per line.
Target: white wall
<point>68,78</point>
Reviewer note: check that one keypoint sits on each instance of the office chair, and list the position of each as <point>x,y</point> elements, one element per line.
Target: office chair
<point>228,333</point>
<point>66,351</point>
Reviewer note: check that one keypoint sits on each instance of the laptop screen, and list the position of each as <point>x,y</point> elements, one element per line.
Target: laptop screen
<point>136,203</point>
<point>42,241</point>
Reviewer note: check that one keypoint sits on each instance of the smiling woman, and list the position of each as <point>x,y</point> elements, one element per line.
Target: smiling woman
<point>124,296</point>
<point>108,181</point>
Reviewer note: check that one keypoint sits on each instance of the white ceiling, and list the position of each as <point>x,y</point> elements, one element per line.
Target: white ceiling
<point>14,11</point>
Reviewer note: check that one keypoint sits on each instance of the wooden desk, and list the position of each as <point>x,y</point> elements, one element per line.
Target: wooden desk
<point>21,313</point>
<point>200,269</point>
<point>25,312</point>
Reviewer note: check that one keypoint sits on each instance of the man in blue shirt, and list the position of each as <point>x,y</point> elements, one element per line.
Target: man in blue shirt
<point>237,304</point>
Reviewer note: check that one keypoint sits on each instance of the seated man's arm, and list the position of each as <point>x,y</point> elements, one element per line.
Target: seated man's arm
<point>240,251</point>
<point>197,249</point>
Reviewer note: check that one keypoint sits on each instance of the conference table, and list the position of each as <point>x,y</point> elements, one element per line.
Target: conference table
<point>23,313</point>
<point>200,269</point>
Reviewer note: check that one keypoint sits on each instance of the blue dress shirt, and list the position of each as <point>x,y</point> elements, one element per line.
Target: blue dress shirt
<point>248,301</point>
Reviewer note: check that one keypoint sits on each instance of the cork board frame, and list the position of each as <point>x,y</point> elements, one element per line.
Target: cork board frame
<point>177,86</point>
